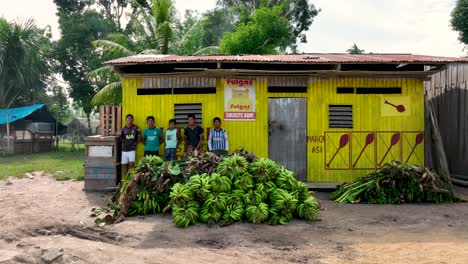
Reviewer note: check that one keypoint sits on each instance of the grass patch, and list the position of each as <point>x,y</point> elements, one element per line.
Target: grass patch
<point>62,165</point>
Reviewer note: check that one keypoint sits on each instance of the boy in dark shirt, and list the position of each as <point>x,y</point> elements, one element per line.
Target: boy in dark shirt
<point>130,136</point>
<point>193,135</point>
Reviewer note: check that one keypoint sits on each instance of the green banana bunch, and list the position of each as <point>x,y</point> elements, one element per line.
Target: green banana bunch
<point>257,213</point>
<point>244,182</point>
<point>283,202</point>
<point>233,213</point>
<point>199,187</point>
<point>186,215</point>
<point>264,170</point>
<point>180,194</point>
<point>309,209</point>
<point>236,197</point>
<point>279,219</point>
<point>261,190</point>
<point>270,186</point>
<point>251,197</point>
<point>303,191</point>
<point>209,214</point>
<point>220,183</point>
<point>218,201</point>
<point>233,166</point>
<point>286,180</point>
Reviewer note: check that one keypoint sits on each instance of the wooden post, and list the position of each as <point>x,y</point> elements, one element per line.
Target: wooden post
<point>8,131</point>
<point>101,119</point>
<point>114,117</point>
<point>119,120</point>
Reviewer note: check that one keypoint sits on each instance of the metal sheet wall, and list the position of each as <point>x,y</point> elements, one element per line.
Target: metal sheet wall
<point>322,141</point>
<point>448,92</point>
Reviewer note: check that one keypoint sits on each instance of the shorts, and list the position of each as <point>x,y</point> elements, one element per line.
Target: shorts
<point>170,154</point>
<point>128,157</point>
<point>151,153</point>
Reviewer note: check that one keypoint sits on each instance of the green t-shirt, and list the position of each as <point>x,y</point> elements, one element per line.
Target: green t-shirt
<point>151,137</point>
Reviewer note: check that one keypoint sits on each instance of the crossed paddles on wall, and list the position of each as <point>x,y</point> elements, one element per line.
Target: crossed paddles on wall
<point>363,150</point>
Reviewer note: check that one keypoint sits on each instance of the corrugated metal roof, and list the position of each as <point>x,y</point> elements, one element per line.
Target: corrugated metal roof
<point>313,58</point>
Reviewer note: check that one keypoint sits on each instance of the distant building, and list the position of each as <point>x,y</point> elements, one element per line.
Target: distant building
<point>28,129</point>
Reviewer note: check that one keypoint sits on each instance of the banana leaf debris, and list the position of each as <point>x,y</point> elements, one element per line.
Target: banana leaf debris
<point>396,183</point>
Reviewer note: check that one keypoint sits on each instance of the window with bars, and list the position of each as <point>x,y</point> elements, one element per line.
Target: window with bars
<point>340,116</point>
<point>181,112</point>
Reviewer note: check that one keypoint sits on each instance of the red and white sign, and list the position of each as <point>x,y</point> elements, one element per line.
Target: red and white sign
<point>239,100</point>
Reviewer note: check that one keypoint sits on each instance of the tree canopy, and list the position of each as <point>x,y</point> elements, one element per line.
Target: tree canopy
<point>266,33</point>
<point>459,20</point>
<point>355,50</point>
<point>24,67</point>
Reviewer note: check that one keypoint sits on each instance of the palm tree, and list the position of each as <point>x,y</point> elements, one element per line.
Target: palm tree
<point>355,50</point>
<point>152,32</point>
<point>23,65</point>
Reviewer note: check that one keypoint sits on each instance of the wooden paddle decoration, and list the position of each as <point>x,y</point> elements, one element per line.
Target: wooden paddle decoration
<point>419,140</point>
<point>400,108</point>
<point>369,140</point>
<point>395,139</point>
<point>344,139</point>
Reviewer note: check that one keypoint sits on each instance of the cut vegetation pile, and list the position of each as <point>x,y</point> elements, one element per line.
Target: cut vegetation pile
<point>397,183</point>
<point>214,191</point>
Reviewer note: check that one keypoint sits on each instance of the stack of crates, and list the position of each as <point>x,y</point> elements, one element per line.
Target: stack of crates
<point>102,165</point>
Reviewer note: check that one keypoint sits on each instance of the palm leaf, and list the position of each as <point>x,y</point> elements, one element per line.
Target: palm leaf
<point>110,94</point>
<point>112,48</point>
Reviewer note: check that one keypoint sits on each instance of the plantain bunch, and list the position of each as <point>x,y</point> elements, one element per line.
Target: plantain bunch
<point>199,186</point>
<point>234,166</point>
<point>184,216</point>
<point>264,170</point>
<point>308,210</point>
<point>257,213</point>
<point>220,183</point>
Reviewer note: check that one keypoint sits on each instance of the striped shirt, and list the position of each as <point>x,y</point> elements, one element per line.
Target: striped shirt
<point>218,140</point>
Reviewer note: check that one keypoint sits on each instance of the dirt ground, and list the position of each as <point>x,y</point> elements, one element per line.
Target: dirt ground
<point>42,217</point>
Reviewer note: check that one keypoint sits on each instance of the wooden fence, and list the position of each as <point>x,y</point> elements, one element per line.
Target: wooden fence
<point>448,93</point>
<point>110,120</point>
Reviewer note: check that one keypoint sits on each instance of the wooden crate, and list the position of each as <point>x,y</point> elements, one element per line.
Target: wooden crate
<point>102,165</point>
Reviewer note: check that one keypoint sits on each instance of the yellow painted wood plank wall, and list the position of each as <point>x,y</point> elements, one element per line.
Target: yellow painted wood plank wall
<point>369,117</point>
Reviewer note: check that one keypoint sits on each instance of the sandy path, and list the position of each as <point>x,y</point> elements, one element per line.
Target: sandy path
<point>41,215</point>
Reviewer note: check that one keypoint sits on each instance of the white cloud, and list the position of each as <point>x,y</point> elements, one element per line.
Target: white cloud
<point>397,26</point>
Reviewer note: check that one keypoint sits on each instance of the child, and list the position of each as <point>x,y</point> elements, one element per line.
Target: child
<point>218,140</point>
<point>173,140</point>
<point>152,138</point>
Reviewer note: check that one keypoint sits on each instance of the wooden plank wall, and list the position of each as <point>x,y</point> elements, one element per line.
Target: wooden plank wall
<point>110,120</point>
<point>448,91</point>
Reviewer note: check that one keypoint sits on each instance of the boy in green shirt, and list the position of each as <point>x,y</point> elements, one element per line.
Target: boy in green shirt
<point>152,137</point>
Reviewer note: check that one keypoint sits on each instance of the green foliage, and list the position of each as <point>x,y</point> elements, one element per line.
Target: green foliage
<point>459,20</point>
<point>74,52</point>
<point>299,13</point>
<point>266,33</point>
<point>355,50</point>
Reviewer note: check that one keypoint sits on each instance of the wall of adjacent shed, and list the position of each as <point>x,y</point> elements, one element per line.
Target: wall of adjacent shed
<point>321,93</point>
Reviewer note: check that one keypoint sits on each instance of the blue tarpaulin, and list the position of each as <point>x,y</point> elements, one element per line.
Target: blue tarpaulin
<point>18,113</point>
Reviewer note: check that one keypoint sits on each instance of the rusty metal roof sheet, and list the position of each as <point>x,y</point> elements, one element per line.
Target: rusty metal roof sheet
<point>312,58</point>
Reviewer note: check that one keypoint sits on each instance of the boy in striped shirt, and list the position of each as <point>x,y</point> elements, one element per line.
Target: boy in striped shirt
<point>218,139</point>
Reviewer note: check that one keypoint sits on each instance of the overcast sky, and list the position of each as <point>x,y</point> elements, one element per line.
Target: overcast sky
<point>396,26</point>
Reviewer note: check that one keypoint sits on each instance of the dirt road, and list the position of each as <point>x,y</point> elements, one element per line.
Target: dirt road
<point>45,220</point>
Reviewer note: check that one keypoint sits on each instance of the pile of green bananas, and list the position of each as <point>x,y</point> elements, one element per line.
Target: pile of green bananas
<point>257,192</point>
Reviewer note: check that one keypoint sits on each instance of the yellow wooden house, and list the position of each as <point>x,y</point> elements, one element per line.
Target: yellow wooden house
<point>328,117</point>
